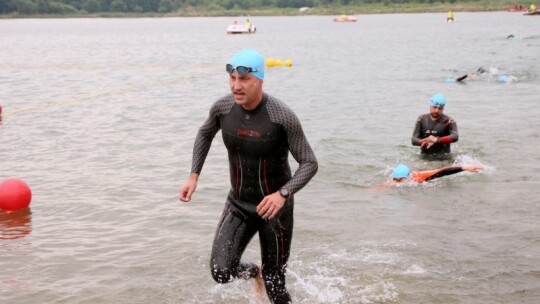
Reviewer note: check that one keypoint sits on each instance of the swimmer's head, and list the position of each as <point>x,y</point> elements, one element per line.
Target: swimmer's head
<point>248,61</point>
<point>401,172</point>
<point>438,101</point>
<point>503,79</point>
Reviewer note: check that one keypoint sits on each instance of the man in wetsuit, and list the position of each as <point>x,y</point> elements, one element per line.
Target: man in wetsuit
<point>258,131</point>
<point>435,131</point>
<point>402,173</point>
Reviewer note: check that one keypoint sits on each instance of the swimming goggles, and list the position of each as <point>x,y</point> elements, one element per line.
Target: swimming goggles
<point>240,69</point>
<point>437,104</point>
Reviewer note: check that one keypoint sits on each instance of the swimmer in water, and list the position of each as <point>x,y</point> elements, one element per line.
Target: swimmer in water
<point>435,131</point>
<point>468,76</point>
<point>403,173</point>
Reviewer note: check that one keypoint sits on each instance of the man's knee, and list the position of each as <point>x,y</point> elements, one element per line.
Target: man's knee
<point>221,274</point>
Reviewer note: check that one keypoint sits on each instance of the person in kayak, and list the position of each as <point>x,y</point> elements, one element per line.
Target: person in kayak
<point>258,131</point>
<point>450,17</point>
<point>435,131</point>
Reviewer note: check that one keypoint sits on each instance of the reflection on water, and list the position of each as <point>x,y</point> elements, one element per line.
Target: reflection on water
<point>15,224</point>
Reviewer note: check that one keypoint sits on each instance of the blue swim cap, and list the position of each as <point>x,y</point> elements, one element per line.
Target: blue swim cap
<point>438,100</point>
<point>503,78</point>
<point>401,171</point>
<point>249,58</point>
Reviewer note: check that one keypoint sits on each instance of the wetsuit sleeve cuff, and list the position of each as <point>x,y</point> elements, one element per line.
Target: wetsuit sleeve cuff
<point>445,140</point>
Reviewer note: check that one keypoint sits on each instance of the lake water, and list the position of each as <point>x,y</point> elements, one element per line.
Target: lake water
<point>100,115</point>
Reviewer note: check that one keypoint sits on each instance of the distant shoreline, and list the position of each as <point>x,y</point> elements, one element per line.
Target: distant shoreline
<point>405,8</point>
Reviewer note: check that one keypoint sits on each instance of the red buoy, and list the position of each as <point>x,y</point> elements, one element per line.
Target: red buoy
<point>14,194</point>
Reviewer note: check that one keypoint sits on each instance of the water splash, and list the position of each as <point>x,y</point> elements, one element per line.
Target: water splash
<point>415,269</point>
<point>381,292</point>
<point>323,287</point>
<point>465,159</point>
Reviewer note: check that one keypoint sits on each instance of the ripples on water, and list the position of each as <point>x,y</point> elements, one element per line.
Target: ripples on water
<point>100,116</point>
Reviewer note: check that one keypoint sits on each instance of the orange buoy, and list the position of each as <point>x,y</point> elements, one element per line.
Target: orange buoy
<point>15,194</point>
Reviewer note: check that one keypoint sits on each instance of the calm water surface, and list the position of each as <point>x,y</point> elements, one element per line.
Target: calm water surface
<point>99,118</point>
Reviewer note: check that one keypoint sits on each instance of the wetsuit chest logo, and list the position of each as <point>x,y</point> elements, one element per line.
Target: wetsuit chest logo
<point>248,133</point>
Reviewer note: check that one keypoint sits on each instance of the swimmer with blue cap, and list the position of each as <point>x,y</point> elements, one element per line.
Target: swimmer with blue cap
<point>468,76</point>
<point>259,132</point>
<point>504,79</point>
<point>434,132</point>
<point>438,101</point>
<point>402,173</point>
<point>246,70</point>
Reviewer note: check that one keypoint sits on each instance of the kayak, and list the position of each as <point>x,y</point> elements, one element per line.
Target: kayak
<point>536,12</point>
<point>345,19</point>
<point>517,10</point>
<point>241,29</point>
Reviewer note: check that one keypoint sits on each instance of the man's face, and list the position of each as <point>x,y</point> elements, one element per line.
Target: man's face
<point>399,179</point>
<point>436,112</point>
<point>246,88</point>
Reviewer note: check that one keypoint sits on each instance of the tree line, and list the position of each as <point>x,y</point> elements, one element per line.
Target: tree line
<point>63,7</point>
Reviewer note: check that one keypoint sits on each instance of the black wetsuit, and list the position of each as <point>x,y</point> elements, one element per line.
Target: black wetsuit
<point>423,176</point>
<point>258,144</point>
<point>444,127</point>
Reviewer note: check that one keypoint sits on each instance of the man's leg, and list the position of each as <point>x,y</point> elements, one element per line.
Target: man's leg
<point>232,236</point>
<point>276,236</point>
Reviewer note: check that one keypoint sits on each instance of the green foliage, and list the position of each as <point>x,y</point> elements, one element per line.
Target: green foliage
<point>60,8</point>
<point>118,6</point>
<point>165,6</point>
<point>91,6</point>
<point>25,7</point>
<point>235,7</point>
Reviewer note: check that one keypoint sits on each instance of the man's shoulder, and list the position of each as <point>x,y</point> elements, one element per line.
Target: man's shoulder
<point>423,117</point>
<point>274,101</point>
<point>447,119</point>
<point>275,104</point>
<point>279,111</point>
<point>226,99</point>
<point>223,105</point>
